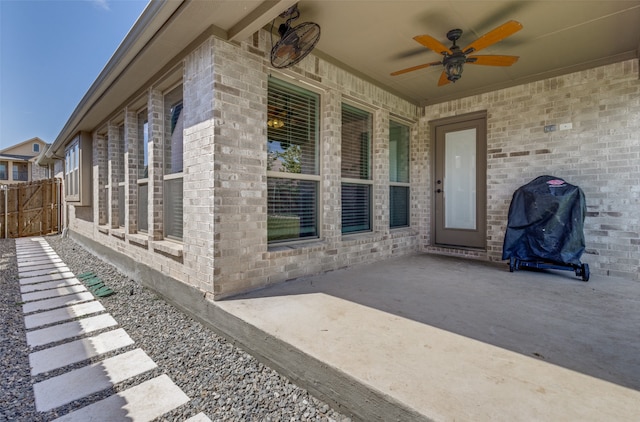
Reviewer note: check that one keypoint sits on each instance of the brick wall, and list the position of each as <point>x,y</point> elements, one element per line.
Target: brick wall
<point>243,259</point>
<point>199,166</point>
<point>225,249</point>
<point>601,154</point>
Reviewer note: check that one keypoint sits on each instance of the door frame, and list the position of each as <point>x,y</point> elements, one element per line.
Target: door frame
<point>481,175</point>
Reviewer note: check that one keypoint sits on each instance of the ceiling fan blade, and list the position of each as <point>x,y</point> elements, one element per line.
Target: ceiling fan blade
<point>443,79</point>
<point>432,44</point>
<point>492,60</point>
<point>411,69</point>
<point>493,36</point>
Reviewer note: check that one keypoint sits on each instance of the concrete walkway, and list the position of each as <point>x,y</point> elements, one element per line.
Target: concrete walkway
<point>62,319</point>
<point>454,340</point>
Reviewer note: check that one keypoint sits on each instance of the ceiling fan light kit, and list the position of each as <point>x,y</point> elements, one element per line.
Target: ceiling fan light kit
<point>454,57</point>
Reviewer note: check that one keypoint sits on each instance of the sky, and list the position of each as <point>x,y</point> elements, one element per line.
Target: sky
<point>51,51</point>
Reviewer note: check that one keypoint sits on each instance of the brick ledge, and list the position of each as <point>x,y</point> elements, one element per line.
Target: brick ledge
<point>138,239</point>
<point>168,247</point>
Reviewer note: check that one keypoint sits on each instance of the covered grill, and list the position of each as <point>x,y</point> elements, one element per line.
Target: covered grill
<point>545,227</point>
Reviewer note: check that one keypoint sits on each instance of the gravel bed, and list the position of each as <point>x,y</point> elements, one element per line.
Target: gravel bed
<point>222,380</point>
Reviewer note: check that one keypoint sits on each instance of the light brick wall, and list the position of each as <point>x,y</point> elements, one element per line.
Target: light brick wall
<point>115,151</point>
<point>100,175</point>
<point>243,259</point>
<point>225,249</point>
<point>240,200</point>
<point>601,154</point>
<point>199,166</point>
<point>131,170</point>
<point>38,172</point>
<point>156,170</point>
<point>380,172</point>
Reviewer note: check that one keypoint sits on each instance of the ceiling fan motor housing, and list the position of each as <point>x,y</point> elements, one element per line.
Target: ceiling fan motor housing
<point>454,35</point>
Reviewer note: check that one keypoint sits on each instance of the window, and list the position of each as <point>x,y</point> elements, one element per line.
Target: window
<point>173,148</point>
<point>292,162</point>
<point>36,147</point>
<point>143,171</point>
<point>21,171</point>
<point>77,170</point>
<point>71,177</point>
<point>4,170</point>
<point>356,170</point>
<point>398,175</point>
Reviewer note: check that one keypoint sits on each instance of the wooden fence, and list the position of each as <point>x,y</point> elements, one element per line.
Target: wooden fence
<point>31,208</point>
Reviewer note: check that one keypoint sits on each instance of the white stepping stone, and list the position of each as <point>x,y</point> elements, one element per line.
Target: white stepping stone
<point>51,293</point>
<point>30,239</point>
<point>28,288</point>
<point>69,329</point>
<point>82,382</point>
<point>36,253</point>
<point>77,351</point>
<point>20,251</point>
<point>144,402</point>
<point>56,302</point>
<point>45,271</point>
<point>48,277</point>
<point>62,314</point>
<point>40,260</point>
<point>31,244</point>
<point>200,417</point>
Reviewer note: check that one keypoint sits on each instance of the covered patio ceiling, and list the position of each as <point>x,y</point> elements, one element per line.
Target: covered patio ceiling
<point>375,38</point>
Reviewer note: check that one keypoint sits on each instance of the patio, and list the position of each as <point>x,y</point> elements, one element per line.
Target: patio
<point>438,338</point>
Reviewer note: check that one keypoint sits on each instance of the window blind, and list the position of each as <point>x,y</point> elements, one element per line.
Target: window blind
<point>356,164</point>
<point>356,150</point>
<point>292,162</point>
<point>399,174</point>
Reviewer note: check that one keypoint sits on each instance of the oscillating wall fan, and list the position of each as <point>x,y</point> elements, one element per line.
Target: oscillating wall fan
<point>295,42</point>
<point>455,57</point>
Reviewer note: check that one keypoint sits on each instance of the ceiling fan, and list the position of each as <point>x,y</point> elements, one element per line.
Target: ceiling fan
<point>455,57</point>
<point>295,42</point>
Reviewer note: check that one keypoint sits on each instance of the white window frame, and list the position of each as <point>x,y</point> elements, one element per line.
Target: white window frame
<point>72,171</point>
<point>316,178</point>
<point>167,177</point>
<point>77,170</point>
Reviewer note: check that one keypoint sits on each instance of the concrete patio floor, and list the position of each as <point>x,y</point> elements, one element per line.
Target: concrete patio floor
<point>438,338</point>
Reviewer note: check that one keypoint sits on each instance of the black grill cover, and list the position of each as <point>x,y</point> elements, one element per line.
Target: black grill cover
<point>546,220</point>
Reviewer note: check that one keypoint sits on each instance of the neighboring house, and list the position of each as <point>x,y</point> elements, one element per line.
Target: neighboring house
<point>171,168</point>
<point>18,162</point>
